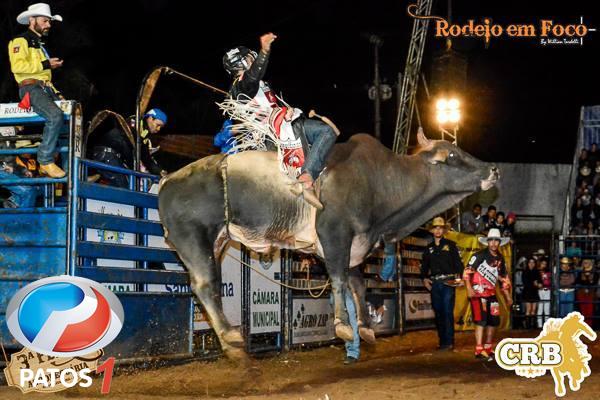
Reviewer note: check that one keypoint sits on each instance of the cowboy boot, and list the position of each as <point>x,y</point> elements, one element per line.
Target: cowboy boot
<point>52,170</point>
<point>304,185</point>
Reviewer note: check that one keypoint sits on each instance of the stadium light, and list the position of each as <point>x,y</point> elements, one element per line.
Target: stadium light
<point>448,111</point>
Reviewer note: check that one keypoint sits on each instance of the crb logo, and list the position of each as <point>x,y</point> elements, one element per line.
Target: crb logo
<point>521,353</point>
<point>64,316</point>
<point>558,349</point>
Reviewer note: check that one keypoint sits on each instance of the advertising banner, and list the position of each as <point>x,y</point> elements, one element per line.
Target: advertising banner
<point>265,294</point>
<point>417,306</point>
<point>106,236</point>
<point>312,320</point>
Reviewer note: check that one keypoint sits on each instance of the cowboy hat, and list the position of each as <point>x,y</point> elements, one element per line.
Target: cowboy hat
<point>25,143</point>
<point>493,234</point>
<point>587,264</point>
<point>37,10</point>
<point>585,170</point>
<point>438,221</point>
<point>565,260</point>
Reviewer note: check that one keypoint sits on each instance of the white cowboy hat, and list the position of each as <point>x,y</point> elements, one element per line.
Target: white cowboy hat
<point>585,170</point>
<point>37,10</point>
<point>494,234</point>
<point>539,252</point>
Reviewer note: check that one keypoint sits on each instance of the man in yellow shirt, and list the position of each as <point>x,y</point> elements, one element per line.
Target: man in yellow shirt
<point>32,68</point>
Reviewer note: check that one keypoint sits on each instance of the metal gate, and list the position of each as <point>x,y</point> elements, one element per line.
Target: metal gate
<point>577,288</point>
<point>55,239</point>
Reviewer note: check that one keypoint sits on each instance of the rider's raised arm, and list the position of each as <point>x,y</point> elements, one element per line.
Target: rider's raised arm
<point>249,82</point>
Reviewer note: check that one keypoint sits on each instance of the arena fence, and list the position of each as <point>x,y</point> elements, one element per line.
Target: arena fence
<point>104,233</point>
<point>577,289</point>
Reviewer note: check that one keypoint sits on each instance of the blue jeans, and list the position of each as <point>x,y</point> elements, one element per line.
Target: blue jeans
<point>566,302</point>
<point>442,300</point>
<point>23,196</point>
<point>42,102</point>
<point>321,138</point>
<point>352,347</point>
<point>388,271</point>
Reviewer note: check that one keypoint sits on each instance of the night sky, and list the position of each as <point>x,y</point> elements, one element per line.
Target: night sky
<point>521,101</point>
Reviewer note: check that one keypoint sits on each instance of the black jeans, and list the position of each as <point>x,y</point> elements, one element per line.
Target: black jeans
<point>100,154</point>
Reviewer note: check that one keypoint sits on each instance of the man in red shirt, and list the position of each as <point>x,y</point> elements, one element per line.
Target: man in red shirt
<point>483,272</point>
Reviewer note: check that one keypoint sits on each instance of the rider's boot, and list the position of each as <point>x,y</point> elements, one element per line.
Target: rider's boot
<point>306,188</point>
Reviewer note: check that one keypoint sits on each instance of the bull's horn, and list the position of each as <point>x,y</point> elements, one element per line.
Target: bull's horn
<point>421,138</point>
<point>313,114</point>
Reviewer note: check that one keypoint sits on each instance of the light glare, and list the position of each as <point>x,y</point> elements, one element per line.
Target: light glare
<point>441,105</point>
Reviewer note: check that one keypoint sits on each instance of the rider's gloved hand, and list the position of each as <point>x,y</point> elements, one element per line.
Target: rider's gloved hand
<point>266,40</point>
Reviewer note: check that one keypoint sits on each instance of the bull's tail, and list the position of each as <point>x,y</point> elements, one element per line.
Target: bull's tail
<point>313,114</point>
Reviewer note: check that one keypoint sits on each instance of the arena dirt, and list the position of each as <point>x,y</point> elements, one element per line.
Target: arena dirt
<point>406,367</point>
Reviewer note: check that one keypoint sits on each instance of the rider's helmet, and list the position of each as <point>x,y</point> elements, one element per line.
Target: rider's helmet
<point>235,59</point>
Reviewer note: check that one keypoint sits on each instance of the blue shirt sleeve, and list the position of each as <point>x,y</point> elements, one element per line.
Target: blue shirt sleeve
<point>222,138</point>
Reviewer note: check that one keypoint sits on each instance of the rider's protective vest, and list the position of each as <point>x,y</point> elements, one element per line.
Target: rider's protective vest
<point>265,96</point>
<point>253,87</point>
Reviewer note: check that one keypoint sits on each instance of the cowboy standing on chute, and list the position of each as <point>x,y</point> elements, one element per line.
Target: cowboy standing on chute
<point>32,68</point>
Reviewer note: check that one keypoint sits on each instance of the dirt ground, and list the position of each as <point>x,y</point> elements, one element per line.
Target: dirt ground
<point>404,367</point>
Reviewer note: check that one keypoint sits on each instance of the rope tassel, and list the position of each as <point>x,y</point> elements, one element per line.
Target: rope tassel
<point>253,130</point>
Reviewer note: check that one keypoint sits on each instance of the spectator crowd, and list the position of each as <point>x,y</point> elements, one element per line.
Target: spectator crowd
<point>578,287</point>
<point>585,210</point>
<point>476,223</point>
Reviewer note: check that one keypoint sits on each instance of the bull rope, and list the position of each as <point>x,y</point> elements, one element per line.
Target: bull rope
<point>309,289</point>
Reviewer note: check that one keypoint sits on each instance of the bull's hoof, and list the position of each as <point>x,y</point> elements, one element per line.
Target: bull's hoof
<point>234,338</point>
<point>344,332</point>
<point>367,334</point>
<point>237,355</point>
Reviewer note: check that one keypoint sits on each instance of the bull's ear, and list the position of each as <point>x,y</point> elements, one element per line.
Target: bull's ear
<point>421,139</point>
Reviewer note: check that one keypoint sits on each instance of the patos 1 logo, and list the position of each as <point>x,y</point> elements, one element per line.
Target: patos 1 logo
<point>64,316</point>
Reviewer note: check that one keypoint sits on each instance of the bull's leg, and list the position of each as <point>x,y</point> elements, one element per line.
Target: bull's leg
<point>356,283</point>
<point>343,330</point>
<point>357,286</point>
<point>336,262</point>
<point>205,278</point>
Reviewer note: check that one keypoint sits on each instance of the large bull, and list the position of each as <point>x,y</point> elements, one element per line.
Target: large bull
<point>368,192</point>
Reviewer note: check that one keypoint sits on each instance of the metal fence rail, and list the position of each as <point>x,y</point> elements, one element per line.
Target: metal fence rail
<point>578,289</point>
<point>170,313</point>
<point>52,239</point>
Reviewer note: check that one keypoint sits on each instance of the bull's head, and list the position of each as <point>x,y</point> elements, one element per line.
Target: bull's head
<point>456,170</point>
